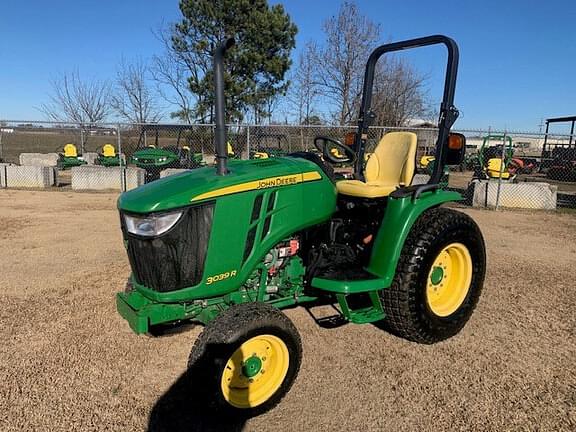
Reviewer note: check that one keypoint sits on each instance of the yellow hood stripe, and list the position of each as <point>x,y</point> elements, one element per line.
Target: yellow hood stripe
<point>266,183</point>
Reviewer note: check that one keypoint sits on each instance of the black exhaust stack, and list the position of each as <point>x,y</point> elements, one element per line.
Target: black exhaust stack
<point>220,137</point>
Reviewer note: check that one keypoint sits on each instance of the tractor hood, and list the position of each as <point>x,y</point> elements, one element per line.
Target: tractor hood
<point>153,153</point>
<point>202,184</point>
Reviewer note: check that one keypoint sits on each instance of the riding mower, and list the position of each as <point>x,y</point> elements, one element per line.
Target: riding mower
<point>68,157</point>
<point>268,145</point>
<point>107,156</point>
<point>426,166</point>
<point>231,248</point>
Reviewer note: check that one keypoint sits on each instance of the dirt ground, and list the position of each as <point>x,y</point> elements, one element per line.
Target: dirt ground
<point>69,362</point>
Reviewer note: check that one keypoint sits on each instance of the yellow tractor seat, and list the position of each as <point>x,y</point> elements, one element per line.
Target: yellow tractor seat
<point>493,169</point>
<point>108,150</point>
<point>391,165</point>
<point>70,151</point>
<point>261,155</point>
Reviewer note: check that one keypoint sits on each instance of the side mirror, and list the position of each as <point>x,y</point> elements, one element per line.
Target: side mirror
<point>455,149</point>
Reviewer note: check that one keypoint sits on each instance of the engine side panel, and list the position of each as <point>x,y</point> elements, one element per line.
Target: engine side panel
<point>249,219</point>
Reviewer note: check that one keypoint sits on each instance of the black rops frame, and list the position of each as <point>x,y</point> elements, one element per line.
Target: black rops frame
<point>571,119</point>
<point>448,112</point>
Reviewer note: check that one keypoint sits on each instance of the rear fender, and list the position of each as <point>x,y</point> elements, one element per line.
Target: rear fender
<point>401,213</point>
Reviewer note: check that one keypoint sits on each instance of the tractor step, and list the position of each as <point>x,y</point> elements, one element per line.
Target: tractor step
<point>328,321</point>
<point>361,308</point>
<point>366,283</point>
<point>366,315</point>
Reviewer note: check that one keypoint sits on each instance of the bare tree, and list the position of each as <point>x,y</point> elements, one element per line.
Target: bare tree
<point>399,94</point>
<point>305,89</point>
<point>85,102</point>
<point>133,99</point>
<point>171,71</point>
<point>399,91</point>
<point>350,36</point>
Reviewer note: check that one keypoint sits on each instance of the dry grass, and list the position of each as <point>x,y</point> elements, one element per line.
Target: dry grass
<point>69,362</point>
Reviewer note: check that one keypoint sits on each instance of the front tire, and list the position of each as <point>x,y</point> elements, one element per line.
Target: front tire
<point>439,278</point>
<point>246,359</point>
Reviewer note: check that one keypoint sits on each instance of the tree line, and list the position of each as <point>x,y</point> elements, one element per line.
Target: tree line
<point>262,85</point>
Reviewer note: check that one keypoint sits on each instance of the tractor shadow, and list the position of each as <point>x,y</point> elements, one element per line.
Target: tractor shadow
<point>183,407</point>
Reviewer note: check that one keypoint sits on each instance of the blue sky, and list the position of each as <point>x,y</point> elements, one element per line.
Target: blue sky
<point>517,62</point>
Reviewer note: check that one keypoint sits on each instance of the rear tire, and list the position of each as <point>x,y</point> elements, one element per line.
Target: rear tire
<point>414,309</point>
<point>246,359</point>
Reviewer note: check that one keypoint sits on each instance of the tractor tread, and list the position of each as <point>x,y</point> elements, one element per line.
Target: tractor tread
<point>229,330</point>
<point>407,314</point>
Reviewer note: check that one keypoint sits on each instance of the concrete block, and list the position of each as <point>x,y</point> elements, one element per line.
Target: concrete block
<point>171,171</point>
<point>29,176</point>
<point>95,177</point>
<point>420,179</point>
<point>39,159</point>
<point>90,157</point>
<point>527,195</point>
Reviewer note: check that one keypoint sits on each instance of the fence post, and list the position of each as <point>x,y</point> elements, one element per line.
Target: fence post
<point>3,167</point>
<point>502,158</point>
<point>82,139</point>
<point>122,166</point>
<point>248,142</point>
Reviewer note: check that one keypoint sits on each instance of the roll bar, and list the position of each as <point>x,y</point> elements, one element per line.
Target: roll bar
<point>448,112</point>
<point>219,105</point>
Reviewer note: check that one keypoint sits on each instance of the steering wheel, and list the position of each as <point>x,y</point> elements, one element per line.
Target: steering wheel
<point>334,151</point>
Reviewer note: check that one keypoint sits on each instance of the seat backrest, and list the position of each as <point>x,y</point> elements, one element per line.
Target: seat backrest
<point>393,160</point>
<point>108,150</point>
<point>494,166</point>
<point>70,150</point>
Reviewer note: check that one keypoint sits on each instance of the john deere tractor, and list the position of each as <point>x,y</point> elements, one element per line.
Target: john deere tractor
<point>491,163</point>
<point>155,157</point>
<point>230,246</point>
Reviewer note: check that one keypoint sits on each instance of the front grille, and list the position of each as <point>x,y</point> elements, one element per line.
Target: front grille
<point>174,260</point>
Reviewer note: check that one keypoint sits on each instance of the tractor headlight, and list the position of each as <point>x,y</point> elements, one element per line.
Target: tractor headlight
<point>152,225</point>
<point>162,159</point>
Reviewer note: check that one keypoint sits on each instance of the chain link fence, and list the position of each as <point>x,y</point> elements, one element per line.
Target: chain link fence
<point>501,169</point>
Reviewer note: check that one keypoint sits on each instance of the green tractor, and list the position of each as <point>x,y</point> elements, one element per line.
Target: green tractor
<point>229,248</point>
<point>269,145</point>
<point>491,164</point>
<point>155,157</point>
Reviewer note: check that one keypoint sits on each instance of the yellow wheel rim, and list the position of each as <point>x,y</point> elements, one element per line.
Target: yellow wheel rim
<point>449,279</point>
<point>255,371</point>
